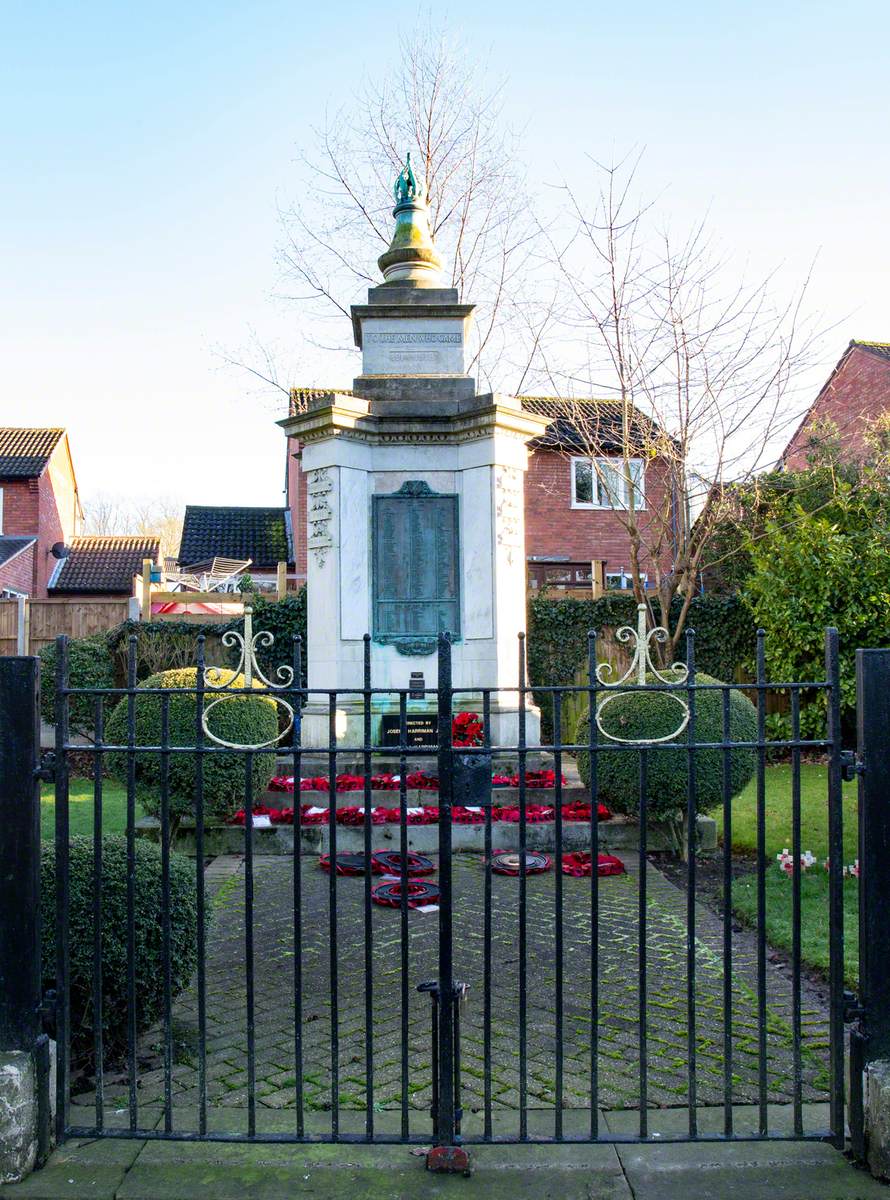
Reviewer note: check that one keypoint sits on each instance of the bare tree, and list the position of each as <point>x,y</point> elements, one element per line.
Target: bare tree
<point>432,103</point>
<point>698,374</point>
<point>156,516</point>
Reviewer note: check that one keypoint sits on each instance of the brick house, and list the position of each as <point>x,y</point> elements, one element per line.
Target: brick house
<point>39,507</point>
<point>570,520</point>
<point>856,392</point>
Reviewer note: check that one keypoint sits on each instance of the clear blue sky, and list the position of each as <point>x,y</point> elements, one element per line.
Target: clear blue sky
<point>146,150</point>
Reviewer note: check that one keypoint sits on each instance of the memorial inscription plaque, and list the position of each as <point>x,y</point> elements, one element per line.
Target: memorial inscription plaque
<point>421,729</point>
<point>416,588</point>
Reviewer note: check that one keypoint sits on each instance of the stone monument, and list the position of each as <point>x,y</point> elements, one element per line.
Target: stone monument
<point>415,504</point>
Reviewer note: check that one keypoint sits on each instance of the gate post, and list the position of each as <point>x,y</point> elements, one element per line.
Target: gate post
<point>24,1049</point>
<point>870,1049</point>
<point>446,1155</point>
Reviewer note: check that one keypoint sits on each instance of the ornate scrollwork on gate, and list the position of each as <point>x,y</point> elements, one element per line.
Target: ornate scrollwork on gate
<point>642,666</point>
<point>248,641</point>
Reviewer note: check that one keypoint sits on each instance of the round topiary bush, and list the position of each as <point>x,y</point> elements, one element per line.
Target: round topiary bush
<point>656,714</point>
<point>90,665</point>
<point>245,720</point>
<point>147,910</point>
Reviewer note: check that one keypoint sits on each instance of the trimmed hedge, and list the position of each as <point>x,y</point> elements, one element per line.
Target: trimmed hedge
<point>655,714</point>
<point>149,974</point>
<point>90,665</point>
<point>242,719</point>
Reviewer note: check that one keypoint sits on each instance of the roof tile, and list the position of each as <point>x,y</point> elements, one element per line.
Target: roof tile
<point>260,534</point>
<point>105,564</point>
<point>25,452</point>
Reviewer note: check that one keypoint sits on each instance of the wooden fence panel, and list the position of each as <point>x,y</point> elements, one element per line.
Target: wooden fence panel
<point>76,616</point>
<point>9,620</point>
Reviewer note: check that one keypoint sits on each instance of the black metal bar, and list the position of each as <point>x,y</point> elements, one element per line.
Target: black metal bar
<point>763,1117</point>
<point>403,903</point>
<point>486,937</point>
<point>201,926</point>
<point>873,722</point>
<point>249,965</point>
<point>523,904</point>
<point>133,1082</point>
<point>796,850</point>
<point>297,761</point>
<point>394,1139</point>
<point>98,1048</point>
<point>836,886</point>
<point>332,915</point>
<point>643,982</point>
<point>557,915</point>
<point>727,923</point>
<point>691,849</point>
<point>593,736</point>
<point>63,980</point>
<point>369,933</point>
<point>20,964</point>
<point>165,917</point>
<point>446,1130</point>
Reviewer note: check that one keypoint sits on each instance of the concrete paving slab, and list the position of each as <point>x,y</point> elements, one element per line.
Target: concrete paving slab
<point>745,1119</point>
<point>396,1183</point>
<point>745,1171</point>
<point>69,1181</point>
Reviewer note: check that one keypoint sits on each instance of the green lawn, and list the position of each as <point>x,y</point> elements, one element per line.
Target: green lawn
<point>80,808</point>
<point>813,814</point>
<point>814,883</point>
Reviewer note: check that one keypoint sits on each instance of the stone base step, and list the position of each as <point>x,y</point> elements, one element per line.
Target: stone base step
<point>615,835</point>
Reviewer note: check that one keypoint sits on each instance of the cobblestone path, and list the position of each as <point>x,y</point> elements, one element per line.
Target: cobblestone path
<point>618,1057</point>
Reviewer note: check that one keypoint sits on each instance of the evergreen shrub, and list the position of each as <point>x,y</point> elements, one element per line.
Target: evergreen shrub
<point>149,972</point>
<point>245,720</point>
<point>655,714</point>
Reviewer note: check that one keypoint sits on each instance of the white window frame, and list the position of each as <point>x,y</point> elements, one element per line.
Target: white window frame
<point>625,580</point>
<point>610,461</point>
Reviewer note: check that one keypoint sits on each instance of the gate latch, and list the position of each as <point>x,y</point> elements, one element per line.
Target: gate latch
<point>852,1009</point>
<point>850,766</point>
<point>46,768</point>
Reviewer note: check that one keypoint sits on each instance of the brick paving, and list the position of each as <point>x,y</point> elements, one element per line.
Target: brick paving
<point>618,1056</point>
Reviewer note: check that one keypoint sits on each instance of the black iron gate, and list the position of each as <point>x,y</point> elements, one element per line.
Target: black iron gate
<point>554,1056</point>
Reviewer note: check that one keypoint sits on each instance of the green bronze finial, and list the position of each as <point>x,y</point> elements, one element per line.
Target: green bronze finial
<point>405,189</point>
<point>411,260</point>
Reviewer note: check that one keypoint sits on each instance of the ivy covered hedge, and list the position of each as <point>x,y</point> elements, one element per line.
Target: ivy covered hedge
<point>165,645</point>
<point>90,665</point>
<point>558,629</point>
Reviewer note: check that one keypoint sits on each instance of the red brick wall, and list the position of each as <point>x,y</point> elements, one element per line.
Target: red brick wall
<point>857,392</point>
<point>18,572</point>
<point>554,529</point>
<point>296,498</point>
<point>47,508</point>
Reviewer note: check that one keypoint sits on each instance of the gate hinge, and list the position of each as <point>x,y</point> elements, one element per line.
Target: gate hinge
<point>46,768</point>
<point>851,766</point>
<point>852,1009</point>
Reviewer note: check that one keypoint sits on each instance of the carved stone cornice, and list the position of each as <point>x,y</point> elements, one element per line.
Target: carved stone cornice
<point>350,418</point>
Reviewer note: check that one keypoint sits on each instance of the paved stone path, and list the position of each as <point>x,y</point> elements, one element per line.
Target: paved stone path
<point>618,1058</point>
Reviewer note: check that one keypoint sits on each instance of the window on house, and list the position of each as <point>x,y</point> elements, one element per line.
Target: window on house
<point>1,510</point>
<point>607,483</point>
<point>622,581</point>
